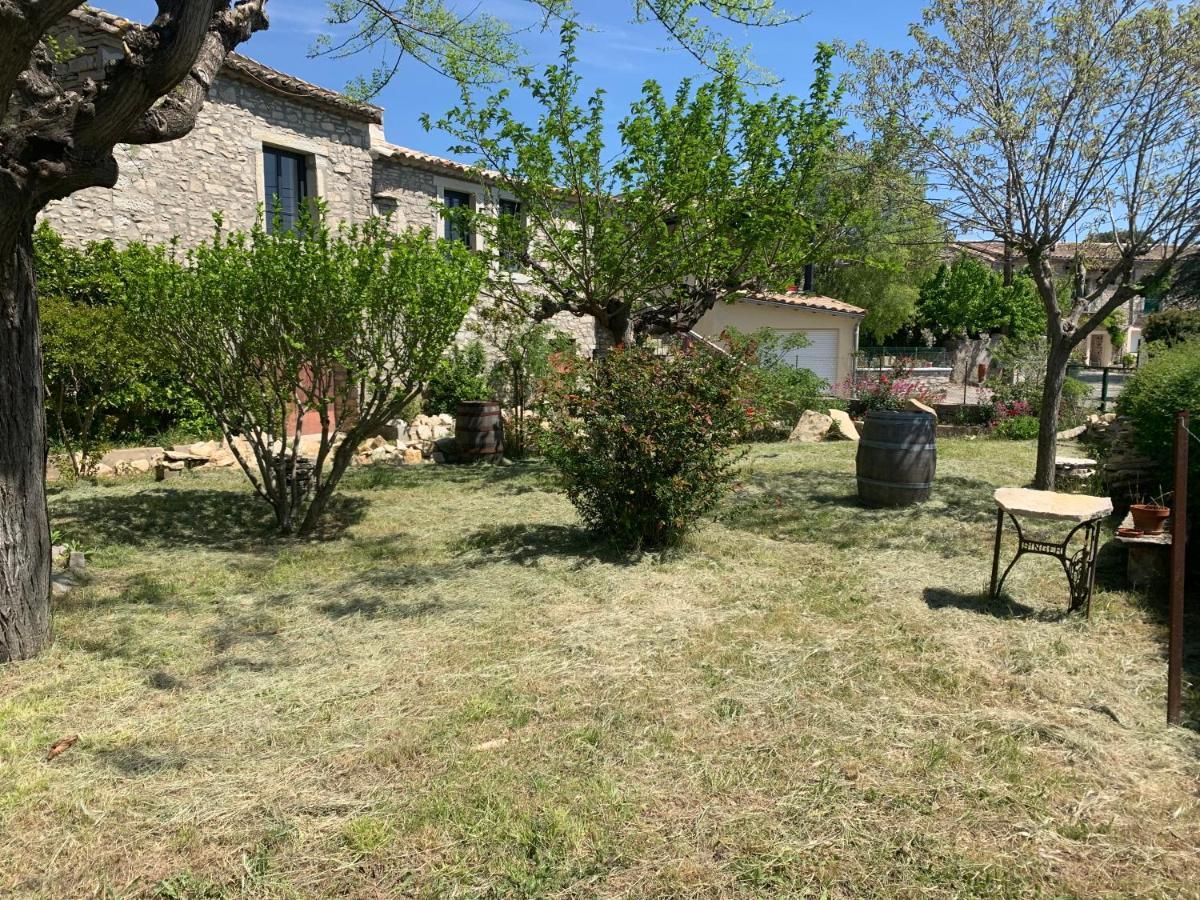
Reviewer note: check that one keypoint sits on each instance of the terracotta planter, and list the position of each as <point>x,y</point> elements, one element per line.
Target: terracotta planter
<point>1149,519</point>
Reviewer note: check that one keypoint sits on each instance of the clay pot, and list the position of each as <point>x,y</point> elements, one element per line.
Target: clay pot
<point>1149,519</point>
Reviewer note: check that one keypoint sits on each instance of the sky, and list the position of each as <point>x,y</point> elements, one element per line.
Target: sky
<point>616,54</point>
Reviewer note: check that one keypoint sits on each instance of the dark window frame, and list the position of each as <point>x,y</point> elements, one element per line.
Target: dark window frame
<point>452,231</point>
<point>509,258</point>
<point>280,164</point>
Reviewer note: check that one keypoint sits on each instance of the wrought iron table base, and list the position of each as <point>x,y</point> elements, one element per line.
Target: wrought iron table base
<point>1080,566</point>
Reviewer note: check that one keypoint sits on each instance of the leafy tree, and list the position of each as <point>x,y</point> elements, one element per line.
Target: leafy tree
<point>477,45</point>
<point>969,298</point>
<point>272,327</point>
<point>1184,290</point>
<point>890,241</point>
<point>710,195</point>
<point>57,137</point>
<point>459,377</point>
<point>1040,119</point>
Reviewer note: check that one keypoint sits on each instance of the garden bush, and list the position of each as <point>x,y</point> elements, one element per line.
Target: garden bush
<point>104,383</point>
<point>1167,384</point>
<point>311,328</point>
<point>1172,326</point>
<point>459,378</point>
<point>1019,427</point>
<point>645,440</point>
<point>776,392</point>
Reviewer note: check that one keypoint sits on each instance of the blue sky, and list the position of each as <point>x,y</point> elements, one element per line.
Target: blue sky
<point>615,53</point>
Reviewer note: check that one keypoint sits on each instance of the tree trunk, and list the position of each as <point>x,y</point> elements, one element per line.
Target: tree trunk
<point>24,522</point>
<point>1056,377</point>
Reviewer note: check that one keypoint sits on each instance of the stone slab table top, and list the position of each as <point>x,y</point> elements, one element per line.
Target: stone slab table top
<point>1052,505</point>
<point>1075,462</point>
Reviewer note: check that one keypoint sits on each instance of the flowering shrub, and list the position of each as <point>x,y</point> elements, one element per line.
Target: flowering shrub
<point>1002,410</point>
<point>893,389</point>
<point>645,441</point>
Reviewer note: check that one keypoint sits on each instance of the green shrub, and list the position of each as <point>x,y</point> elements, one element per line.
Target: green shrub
<point>333,328</point>
<point>459,378</point>
<point>104,383</point>
<point>1169,383</point>
<point>776,392</point>
<point>1016,428</point>
<point>645,441</point>
<point>1172,326</point>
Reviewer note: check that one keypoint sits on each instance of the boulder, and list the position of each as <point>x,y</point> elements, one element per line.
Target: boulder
<point>811,428</point>
<point>843,426</point>
<point>446,419</point>
<point>913,405</point>
<point>413,456</point>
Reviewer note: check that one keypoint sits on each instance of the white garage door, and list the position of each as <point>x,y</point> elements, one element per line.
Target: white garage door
<point>821,354</point>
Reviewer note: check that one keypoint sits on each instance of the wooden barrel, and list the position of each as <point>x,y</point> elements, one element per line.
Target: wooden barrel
<point>897,458</point>
<point>479,431</point>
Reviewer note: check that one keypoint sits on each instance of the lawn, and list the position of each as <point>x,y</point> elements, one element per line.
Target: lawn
<point>453,693</point>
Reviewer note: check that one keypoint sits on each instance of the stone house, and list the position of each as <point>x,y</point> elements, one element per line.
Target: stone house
<point>268,139</point>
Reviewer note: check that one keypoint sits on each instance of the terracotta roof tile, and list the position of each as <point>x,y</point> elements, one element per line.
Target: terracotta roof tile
<point>809,301</point>
<point>423,160</point>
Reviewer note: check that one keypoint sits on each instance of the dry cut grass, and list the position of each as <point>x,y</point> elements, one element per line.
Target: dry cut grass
<point>456,694</point>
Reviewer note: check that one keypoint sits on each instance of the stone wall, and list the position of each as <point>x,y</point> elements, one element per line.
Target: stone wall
<point>172,190</point>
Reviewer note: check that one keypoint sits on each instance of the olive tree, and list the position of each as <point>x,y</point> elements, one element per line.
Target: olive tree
<point>1042,119</point>
<point>57,137</point>
<point>271,329</point>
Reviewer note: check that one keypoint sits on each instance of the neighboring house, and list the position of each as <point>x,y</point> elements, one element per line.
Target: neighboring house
<point>831,327</point>
<point>267,138</point>
<point>1097,349</point>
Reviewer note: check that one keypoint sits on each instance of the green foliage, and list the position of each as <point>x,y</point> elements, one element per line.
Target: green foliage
<point>103,381</point>
<point>969,298</point>
<point>1016,428</point>
<point>527,353</point>
<point>478,46</point>
<point>458,378</point>
<point>644,441</point>
<point>94,370</point>
<point>270,327</point>
<point>890,241</point>
<point>707,194</point>
<point>1023,380</point>
<point>776,392</point>
<point>1167,384</point>
<point>1172,326</point>
<point>1115,324</point>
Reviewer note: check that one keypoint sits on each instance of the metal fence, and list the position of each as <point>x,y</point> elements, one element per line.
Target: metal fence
<point>1106,382</point>
<point>916,357</point>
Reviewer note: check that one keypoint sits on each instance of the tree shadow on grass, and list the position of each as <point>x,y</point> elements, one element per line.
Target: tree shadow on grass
<point>204,517</point>
<point>520,477</point>
<point>823,506</point>
<point>528,545</point>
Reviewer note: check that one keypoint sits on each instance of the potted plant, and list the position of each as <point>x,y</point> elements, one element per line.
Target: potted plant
<point>1149,517</point>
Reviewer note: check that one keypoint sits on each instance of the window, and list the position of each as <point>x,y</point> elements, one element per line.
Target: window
<point>452,230</point>
<point>286,178</point>
<point>513,242</point>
